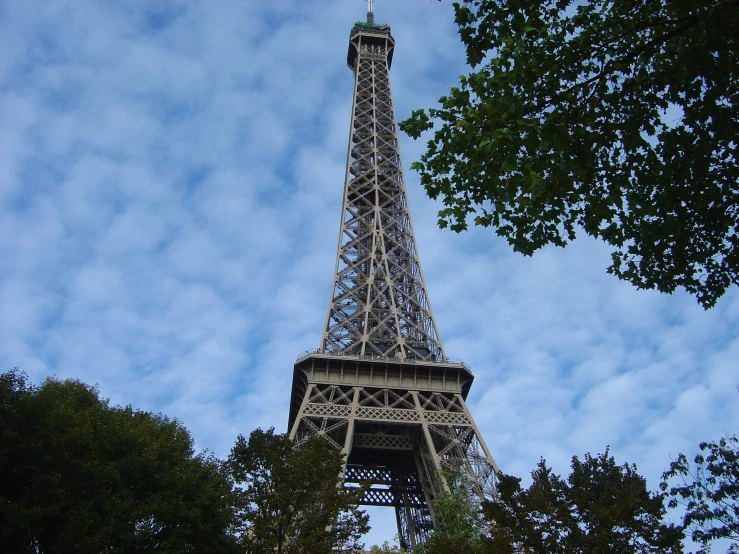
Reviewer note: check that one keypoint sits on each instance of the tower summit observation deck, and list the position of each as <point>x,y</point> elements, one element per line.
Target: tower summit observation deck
<point>380,387</point>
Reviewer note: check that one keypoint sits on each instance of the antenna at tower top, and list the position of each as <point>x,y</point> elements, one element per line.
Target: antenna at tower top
<point>370,15</point>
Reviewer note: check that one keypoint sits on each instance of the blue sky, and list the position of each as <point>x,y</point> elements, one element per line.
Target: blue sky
<point>171,179</point>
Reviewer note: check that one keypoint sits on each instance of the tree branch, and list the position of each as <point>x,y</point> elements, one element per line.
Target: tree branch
<point>610,65</point>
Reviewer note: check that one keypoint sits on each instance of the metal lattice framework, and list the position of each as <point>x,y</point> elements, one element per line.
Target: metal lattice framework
<point>380,388</point>
<point>379,304</point>
<point>398,438</point>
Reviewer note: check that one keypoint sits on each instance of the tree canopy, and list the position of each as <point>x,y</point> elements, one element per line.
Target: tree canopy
<point>708,490</point>
<point>79,475</point>
<point>600,507</point>
<point>289,500</point>
<point>618,118</point>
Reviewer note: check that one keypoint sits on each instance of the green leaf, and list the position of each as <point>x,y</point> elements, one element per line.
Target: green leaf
<point>508,165</point>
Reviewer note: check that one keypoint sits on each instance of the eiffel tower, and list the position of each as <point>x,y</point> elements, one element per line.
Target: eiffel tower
<point>380,387</point>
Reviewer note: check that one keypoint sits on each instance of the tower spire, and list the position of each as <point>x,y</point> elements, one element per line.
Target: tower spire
<point>370,14</point>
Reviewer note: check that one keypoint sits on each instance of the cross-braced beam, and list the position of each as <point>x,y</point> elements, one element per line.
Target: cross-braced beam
<point>402,442</point>
<point>379,304</point>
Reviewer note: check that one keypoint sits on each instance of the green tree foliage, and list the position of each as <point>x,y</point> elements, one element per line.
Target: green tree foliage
<point>601,507</point>
<point>616,117</point>
<point>458,521</point>
<point>78,475</point>
<point>290,501</point>
<point>386,548</point>
<point>708,489</point>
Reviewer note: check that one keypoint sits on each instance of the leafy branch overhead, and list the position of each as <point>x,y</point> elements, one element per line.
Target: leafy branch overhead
<point>616,118</point>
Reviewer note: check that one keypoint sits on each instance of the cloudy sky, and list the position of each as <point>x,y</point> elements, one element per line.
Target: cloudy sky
<point>171,179</point>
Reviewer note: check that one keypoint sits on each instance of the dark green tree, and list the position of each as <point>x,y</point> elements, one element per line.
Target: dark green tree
<point>708,489</point>
<point>601,507</point>
<point>618,118</point>
<point>289,499</point>
<point>78,475</point>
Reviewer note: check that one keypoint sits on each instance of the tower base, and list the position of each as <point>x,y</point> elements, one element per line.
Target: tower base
<point>402,424</point>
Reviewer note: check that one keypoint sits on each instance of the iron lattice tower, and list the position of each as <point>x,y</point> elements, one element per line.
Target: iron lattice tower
<point>380,387</point>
